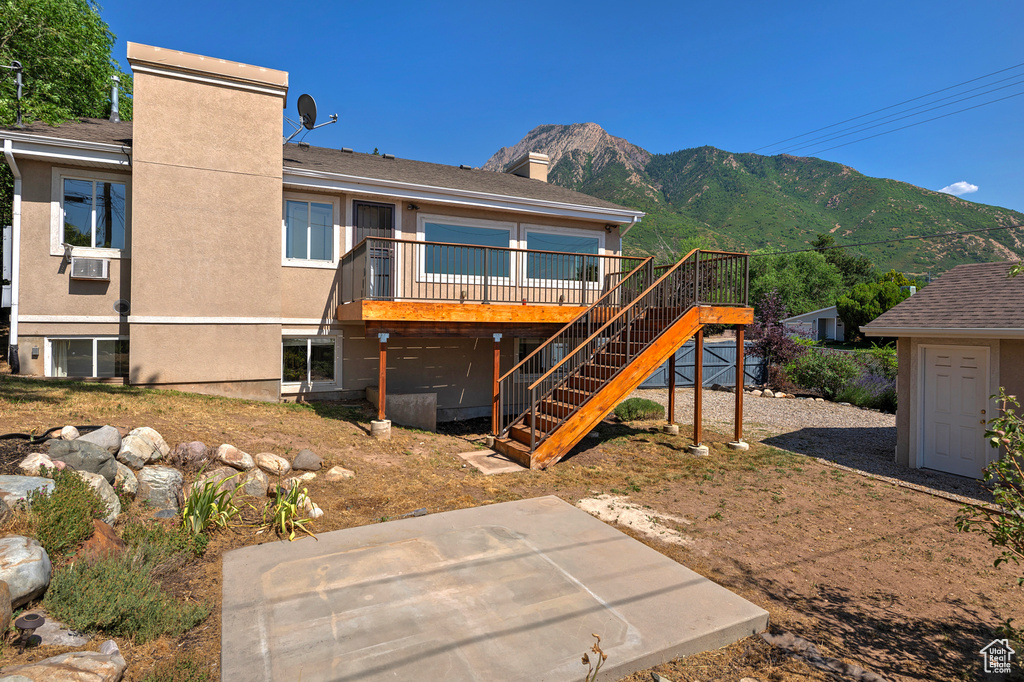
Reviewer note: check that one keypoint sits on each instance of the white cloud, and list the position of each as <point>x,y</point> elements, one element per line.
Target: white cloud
<point>959,188</point>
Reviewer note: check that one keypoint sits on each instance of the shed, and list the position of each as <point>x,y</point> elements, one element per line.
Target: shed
<point>821,325</point>
<point>958,340</point>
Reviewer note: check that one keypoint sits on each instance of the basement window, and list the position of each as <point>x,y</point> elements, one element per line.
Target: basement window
<point>308,360</point>
<point>80,357</point>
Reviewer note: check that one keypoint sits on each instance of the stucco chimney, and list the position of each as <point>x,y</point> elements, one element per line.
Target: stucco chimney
<point>533,165</point>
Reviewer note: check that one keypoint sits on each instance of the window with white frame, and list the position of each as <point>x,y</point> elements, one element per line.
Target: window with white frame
<point>549,356</point>
<point>308,360</point>
<point>464,250</point>
<point>309,233</point>
<point>88,357</point>
<point>94,213</point>
<point>562,256</point>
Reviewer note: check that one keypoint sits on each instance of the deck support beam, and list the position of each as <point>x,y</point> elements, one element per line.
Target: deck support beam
<point>737,443</point>
<point>698,387</point>
<point>496,405</point>
<point>672,388</point>
<point>383,376</point>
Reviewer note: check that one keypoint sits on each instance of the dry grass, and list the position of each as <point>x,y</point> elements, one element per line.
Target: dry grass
<point>869,572</point>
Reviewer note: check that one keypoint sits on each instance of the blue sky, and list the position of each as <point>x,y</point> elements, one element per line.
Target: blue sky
<point>451,82</point>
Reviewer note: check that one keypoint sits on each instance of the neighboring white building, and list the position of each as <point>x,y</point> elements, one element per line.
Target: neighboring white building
<point>821,325</point>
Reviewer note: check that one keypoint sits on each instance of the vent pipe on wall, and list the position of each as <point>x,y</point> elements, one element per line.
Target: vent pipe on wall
<point>114,106</point>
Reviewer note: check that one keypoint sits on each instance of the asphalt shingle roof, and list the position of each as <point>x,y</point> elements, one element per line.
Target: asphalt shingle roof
<point>977,296</point>
<point>357,164</point>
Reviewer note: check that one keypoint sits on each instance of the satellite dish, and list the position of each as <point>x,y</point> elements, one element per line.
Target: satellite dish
<point>307,111</point>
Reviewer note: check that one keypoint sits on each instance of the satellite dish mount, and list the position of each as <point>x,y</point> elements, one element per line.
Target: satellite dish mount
<point>307,117</point>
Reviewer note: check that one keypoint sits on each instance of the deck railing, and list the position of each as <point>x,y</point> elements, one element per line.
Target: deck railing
<point>380,269</point>
<point>619,331</point>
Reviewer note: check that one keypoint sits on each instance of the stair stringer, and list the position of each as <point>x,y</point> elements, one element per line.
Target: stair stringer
<point>601,404</point>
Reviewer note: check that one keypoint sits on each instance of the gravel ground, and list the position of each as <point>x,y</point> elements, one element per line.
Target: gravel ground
<point>864,440</point>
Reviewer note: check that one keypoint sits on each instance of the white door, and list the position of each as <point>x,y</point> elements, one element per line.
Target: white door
<point>955,400</point>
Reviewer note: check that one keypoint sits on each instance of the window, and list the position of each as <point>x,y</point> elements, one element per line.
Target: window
<point>309,230</point>
<point>88,357</point>
<point>460,254</point>
<point>566,268</point>
<point>373,220</point>
<point>545,360</point>
<point>93,213</point>
<point>307,360</point>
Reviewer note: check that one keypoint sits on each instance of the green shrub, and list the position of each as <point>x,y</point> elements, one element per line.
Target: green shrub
<point>119,596</point>
<point>633,409</point>
<point>181,668</point>
<point>883,358</point>
<point>824,370</point>
<point>207,506</point>
<point>160,544</point>
<point>63,517</point>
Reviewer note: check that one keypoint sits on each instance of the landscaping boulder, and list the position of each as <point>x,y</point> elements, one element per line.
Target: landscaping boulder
<point>768,393</point>
<point>5,511</point>
<point>338,474</point>
<point>190,455</point>
<point>107,437</point>
<point>255,483</point>
<point>126,479</point>
<point>161,487</point>
<point>106,493</point>
<point>54,633</point>
<point>756,392</point>
<point>235,458</point>
<point>226,477</point>
<point>6,610</point>
<point>32,464</point>
<point>142,446</point>
<point>293,481</point>
<point>273,464</point>
<point>14,490</point>
<point>105,665</point>
<point>309,508</point>
<point>69,433</point>
<point>84,456</point>
<point>307,460</point>
<point>25,567</point>
<point>103,543</point>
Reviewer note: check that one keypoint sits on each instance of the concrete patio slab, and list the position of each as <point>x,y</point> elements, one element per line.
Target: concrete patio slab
<point>490,462</point>
<point>508,591</point>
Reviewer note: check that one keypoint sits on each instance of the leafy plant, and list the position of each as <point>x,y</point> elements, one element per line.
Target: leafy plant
<point>865,302</point>
<point>63,517</point>
<point>288,509</point>
<point>124,497</point>
<point>772,342</point>
<point>826,370</point>
<point>119,596</point>
<point>1005,528</point>
<point>599,655</point>
<point>633,409</point>
<point>209,505</point>
<point>162,545</point>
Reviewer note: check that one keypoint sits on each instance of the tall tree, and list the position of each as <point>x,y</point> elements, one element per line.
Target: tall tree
<point>854,269</point>
<point>64,48</point>
<point>804,281</point>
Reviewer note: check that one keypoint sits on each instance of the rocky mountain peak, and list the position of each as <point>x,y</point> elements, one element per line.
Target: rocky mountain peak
<point>588,139</point>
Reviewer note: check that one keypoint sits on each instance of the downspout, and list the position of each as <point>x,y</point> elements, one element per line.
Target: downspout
<point>629,227</point>
<point>12,351</point>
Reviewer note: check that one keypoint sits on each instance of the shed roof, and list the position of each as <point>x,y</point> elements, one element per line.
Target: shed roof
<point>354,164</point>
<point>969,297</point>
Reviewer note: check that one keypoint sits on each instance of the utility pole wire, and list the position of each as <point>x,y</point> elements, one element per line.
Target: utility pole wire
<point>889,241</point>
<point>911,125</point>
<point>892,106</point>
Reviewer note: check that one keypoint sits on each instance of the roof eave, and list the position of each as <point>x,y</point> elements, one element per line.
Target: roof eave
<point>951,332</point>
<point>302,178</point>
<point>43,148</point>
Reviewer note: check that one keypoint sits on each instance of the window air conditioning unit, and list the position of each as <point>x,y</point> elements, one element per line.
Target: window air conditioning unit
<point>90,268</point>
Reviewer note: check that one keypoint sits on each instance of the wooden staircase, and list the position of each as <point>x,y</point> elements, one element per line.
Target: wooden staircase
<point>552,398</point>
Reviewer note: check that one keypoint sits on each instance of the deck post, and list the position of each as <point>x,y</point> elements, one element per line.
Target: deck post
<point>738,443</point>
<point>496,407</point>
<point>698,448</point>
<point>671,427</point>
<point>381,427</point>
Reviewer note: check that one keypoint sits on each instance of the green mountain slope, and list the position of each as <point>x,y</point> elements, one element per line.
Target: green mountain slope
<point>718,199</point>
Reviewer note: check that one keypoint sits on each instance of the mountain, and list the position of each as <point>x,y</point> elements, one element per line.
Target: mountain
<point>718,199</point>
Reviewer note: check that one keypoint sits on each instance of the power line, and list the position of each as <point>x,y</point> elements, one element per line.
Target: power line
<point>891,106</point>
<point>911,125</point>
<point>862,127</point>
<point>890,241</point>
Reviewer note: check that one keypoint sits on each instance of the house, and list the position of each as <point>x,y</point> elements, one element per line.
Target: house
<point>821,325</point>
<point>186,250</point>
<point>958,340</point>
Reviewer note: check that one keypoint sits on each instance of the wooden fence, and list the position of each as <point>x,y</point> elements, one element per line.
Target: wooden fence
<point>719,367</point>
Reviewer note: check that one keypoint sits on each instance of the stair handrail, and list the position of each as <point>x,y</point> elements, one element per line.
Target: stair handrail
<point>690,293</point>
<point>643,264</point>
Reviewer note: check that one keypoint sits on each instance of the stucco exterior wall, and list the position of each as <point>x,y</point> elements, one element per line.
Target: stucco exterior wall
<point>1011,365</point>
<point>206,241</point>
<point>44,291</point>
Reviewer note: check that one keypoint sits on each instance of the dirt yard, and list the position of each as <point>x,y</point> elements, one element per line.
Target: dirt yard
<point>872,573</point>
